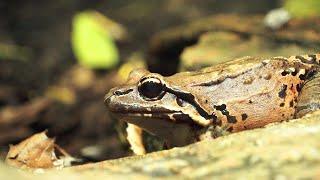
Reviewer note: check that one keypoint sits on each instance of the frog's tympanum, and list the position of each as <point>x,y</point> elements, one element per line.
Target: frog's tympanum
<point>238,95</point>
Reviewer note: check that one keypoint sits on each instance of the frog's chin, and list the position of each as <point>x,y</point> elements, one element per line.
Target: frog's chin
<point>177,132</point>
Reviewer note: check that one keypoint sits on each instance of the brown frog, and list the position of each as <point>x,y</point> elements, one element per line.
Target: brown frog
<point>242,94</point>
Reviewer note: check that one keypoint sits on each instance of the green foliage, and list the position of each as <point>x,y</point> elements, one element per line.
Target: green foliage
<point>303,8</point>
<point>92,44</point>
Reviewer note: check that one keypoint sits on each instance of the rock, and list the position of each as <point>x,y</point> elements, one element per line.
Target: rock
<point>283,150</point>
<point>166,46</point>
<point>218,47</point>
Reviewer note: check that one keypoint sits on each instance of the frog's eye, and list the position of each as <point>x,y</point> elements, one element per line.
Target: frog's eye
<point>151,88</point>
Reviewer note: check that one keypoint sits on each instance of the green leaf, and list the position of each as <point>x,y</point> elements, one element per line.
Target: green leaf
<point>303,8</point>
<point>92,44</point>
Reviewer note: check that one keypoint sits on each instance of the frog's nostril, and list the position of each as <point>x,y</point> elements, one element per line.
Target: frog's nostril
<point>122,92</point>
<point>117,93</point>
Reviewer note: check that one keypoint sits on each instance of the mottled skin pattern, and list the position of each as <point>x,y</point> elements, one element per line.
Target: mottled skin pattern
<point>242,94</point>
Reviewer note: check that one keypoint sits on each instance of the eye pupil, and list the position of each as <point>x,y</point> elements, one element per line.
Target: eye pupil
<point>151,88</point>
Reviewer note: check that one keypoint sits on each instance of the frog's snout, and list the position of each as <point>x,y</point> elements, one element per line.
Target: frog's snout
<point>107,98</point>
<point>114,93</point>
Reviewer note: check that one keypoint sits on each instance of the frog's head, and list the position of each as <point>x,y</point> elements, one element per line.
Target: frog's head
<point>157,106</point>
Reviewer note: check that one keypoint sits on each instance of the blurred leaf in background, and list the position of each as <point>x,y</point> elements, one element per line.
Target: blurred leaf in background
<point>14,52</point>
<point>93,44</point>
<point>303,8</point>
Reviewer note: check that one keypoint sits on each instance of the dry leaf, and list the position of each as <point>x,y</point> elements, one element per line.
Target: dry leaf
<point>35,152</point>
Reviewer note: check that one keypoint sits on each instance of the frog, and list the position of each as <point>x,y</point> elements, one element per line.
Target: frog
<point>241,94</point>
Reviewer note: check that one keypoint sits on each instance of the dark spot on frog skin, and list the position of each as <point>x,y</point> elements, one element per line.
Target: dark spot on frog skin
<point>284,73</point>
<point>250,102</point>
<point>281,104</point>
<point>180,102</point>
<point>294,73</point>
<point>289,71</point>
<point>313,59</point>
<point>302,76</point>
<point>221,107</point>
<point>206,101</point>
<point>244,116</point>
<point>224,111</point>
<point>122,92</point>
<point>299,87</point>
<point>282,92</point>
<point>311,74</point>
<point>291,103</point>
<point>230,129</point>
<point>291,87</point>
<point>307,75</point>
<point>231,119</point>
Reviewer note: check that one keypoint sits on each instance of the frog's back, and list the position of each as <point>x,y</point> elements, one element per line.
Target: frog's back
<point>251,92</point>
<point>217,72</point>
<point>242,65</point>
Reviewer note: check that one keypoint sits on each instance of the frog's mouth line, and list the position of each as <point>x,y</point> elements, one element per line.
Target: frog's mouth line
<point>172,116</point>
